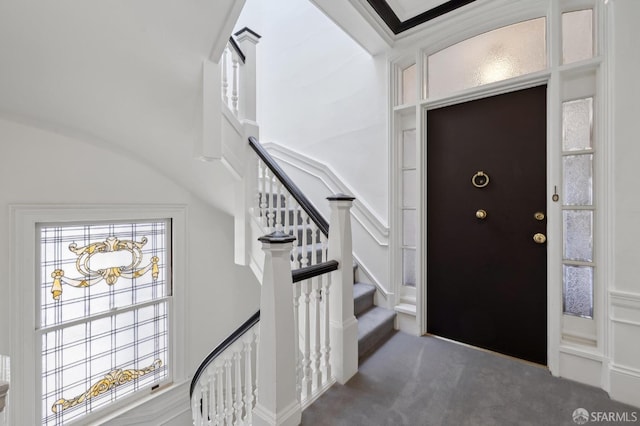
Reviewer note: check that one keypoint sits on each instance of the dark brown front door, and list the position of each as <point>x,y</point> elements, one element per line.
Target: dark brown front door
<point>486,277</point>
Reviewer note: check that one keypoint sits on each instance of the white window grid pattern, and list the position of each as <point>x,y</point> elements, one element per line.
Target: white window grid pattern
<point>581,271</point>
<point>96,330</point>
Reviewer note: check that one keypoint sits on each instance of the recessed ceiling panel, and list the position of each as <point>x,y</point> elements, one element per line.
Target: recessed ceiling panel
<point>401,15</point>
<point>407,9</point>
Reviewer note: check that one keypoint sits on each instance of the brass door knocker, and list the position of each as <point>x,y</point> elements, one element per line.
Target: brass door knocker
<point>480,179</point>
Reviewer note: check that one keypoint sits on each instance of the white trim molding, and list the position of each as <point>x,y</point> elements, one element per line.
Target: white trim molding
<point>24,381</point>
<point>361,211</point>
<point>368,226</point>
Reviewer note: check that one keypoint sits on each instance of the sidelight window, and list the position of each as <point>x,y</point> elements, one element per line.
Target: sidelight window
<point>578,207</point>
<point>409,204</point>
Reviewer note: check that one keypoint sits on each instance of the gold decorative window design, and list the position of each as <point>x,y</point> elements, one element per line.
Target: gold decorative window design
<point>103,318</point>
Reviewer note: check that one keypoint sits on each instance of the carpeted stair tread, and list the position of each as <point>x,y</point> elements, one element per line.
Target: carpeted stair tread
<point>362,297</point>
<point>374,326</point>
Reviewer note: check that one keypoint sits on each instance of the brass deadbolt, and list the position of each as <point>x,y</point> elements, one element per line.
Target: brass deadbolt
<point>538,215</point>
<point>539,238</point>
<point>481,214</point>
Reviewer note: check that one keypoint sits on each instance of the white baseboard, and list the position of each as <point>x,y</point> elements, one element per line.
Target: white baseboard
<point>624,372</point>
<point>624,385</point>
<point>581,366</point>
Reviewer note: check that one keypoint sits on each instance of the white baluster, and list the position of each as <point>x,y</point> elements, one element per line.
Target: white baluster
<point>219,418</point>
<point>317,296</point>
<point>234,82</point>
<point>326,287</point>
<point>195,408</point>
<point>248,379</point>
<point>225,77</point>
<point>294,211</point>
<point>210,413</point>
<point>315,244</point>
<point>265,195</point>
<point>296,329</point>
<point>254,396</point>
<point>278,204</point>
<point>306,365</point>
<point>272,208</point>
<point>228,411</point>
<point>237,406</point>
<point>286,209</point>
<point>304,261</point>
<point>324,242</point>
<point>204,403</point>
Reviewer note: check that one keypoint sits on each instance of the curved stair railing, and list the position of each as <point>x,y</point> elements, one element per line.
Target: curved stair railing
<point>304,338</point>
<point>223,388</point>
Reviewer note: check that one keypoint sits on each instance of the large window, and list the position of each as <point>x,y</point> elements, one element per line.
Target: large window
<point>103,306</point>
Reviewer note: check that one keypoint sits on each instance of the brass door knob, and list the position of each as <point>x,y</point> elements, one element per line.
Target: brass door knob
<point>481,214</point>
<point>539,238</point>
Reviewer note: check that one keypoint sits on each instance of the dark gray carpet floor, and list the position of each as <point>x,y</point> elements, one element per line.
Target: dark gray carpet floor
<point>428,381</point>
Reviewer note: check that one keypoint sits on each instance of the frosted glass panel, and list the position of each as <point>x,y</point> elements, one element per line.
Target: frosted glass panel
<point>409,84</point>
<point>409,148</point>
<point>578,179</point>
<point>409,228</point>
<point>497,55</point>
<point>577,118</point>
<point>577,36</point>
<point>578,290</point>
<point>409,188</point>
<point>409,267</point>
<point>578,235</point>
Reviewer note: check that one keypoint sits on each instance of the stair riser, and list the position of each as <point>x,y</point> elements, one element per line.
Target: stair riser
<point>362,304</point>
<point>374,339</point>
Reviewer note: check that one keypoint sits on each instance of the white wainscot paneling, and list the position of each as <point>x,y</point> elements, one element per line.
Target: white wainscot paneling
<point>625,347</point>
<point>581,367</point>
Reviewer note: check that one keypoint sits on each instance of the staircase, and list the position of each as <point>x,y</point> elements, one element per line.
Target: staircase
<point>375,323</point>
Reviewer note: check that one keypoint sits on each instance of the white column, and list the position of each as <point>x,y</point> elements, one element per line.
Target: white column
<point>343,324</point>
<point>277,402</point>
<point>247,41</point>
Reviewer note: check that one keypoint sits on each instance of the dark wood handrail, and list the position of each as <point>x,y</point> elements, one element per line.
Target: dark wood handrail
<point>314,270</point>
<point>239,51</point>
<point>239,332</point>
<point>293,189</point>
<point>297,275</point>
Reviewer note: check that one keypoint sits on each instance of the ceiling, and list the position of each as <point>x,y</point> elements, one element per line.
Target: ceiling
<point>123,74</point>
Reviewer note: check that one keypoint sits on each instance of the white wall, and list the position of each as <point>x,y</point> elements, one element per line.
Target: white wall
<point>41,167</point>
<point>321,94</point>
<point>625,296</point>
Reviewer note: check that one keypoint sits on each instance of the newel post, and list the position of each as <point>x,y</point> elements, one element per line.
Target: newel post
<point>247,41</point>
<point>343,324</point>
<point>277,401</point>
